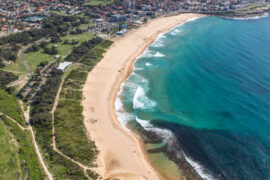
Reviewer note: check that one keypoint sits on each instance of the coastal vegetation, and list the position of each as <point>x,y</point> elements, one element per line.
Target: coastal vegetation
<point>42,122</point>
<point>9,105</point>
<point>24,160</point>
<point>29,163</point>
<point>9,159</point>
<point>53,28</point>
<point>98,2</point>
<point>6,78</point>
<point>68,114</point>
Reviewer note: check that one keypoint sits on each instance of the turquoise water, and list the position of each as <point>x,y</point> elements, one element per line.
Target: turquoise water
<point>208,83</point>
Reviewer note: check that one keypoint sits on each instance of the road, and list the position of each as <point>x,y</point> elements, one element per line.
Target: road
<point>21,55</point>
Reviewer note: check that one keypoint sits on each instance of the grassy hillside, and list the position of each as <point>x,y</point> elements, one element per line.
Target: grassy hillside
<point>9,158</point>
<point>9,105</point>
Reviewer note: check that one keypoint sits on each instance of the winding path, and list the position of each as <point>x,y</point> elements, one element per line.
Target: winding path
<point>26,115</point>
<point>85,168</point>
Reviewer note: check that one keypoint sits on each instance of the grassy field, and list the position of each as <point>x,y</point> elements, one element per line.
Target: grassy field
<point>9,105</point>
<point>85,25</point>
<point>98,2</point>
<point>17,68</point>
<point>9,158</point>
<point>79,37</point>
<point>33,59</point>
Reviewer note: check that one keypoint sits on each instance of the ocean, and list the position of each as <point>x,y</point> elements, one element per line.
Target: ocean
<point>206,84</point>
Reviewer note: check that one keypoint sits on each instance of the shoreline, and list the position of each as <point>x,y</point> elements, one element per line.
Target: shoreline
<point>122,154</point>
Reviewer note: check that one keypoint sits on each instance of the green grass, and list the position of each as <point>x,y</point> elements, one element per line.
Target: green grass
<point>253,6</point>
<point>16,67</point>
<point>27,156</point>
<point>79,37</point>
<point>69,118</point>
<point>9,158</point>
<point>98,2</point>
<point>85,25</point>
<point>10,106</point>
<point>33,59</point>
<point>60,13</point>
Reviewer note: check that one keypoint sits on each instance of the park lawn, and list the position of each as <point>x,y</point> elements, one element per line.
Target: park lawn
<point>9,158</point>
<point>79,37</point>
<point>85,25</point>
<point>33,59</point>
<point>10,106</point>
<point>16,67</point>
<point>98,2</point>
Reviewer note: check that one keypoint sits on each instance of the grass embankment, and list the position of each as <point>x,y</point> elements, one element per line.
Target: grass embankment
<point>9,105</point>
<point>9,158</point>
<point>28,159</point>
<point>98,2</point>
<point>28,162</point>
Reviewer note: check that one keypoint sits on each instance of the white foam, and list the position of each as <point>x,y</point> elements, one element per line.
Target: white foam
<point>199,169</point>
<point>144,123</point>
<point>192,19</point>
<point>250,18</point>
<point>122,116</point>
<point>136,103</point>
<point>141,101</point>
<point>159,41</point>
<point>176,32</point>
<point>148,64</point>
<point>158,54</point>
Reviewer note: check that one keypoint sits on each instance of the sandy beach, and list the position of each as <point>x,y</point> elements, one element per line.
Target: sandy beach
<point>121,152</point>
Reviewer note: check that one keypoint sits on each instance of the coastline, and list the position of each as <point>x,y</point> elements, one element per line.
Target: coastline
<point>122,154</point>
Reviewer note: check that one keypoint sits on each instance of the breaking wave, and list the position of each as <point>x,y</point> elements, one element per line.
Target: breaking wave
<point>141,101</point>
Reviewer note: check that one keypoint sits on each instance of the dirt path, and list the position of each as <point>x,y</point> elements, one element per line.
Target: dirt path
<point>26,115</point>
<point>85,168</point>
<point>13,120</point>
<point>27,118</point>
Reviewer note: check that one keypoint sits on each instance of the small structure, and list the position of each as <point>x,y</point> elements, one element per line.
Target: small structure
<point>57,56</point>
<point>137,22</point>
<point>118,18</point>
<point>63,66</point>
<point>122,32</point>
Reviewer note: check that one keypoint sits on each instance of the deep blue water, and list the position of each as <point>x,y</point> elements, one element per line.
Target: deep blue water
<point>208,82</point>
